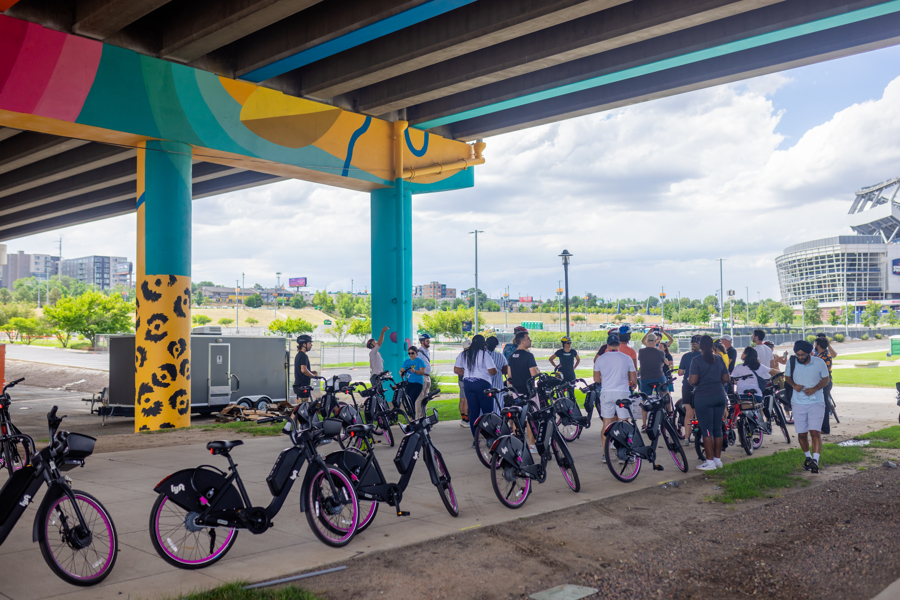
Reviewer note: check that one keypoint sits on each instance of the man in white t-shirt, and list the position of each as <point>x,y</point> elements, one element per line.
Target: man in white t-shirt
<point>763,352</point>
<point>376,363</point>
<point>616,372</point>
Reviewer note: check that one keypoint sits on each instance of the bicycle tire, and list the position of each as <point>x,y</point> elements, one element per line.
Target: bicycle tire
<point>344,527</point>
<point>367,511</point>
<point>675,448</point>
<point>621,475</point>
<point>745,435</point>
<point>698,446</point>
<point>483,447</point>
<point>445,487</point>
<point>569,432</point>
<point>104,546</point>
<point>568,470</point>
<point>782,422</point>
<point>499,470</point>
<point>13,452</point>
<point>830,406</point>
<point>166,518</point>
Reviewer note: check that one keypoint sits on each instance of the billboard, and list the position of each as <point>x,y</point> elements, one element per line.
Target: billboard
<point>297,282</point>
<point>526,298</point>
<point>123,268</point>
<point>895,266</point>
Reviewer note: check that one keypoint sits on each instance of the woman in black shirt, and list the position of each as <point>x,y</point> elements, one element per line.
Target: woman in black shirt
<point>708,373</point>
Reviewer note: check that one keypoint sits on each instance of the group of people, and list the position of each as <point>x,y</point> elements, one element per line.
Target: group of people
<point>708,371</point>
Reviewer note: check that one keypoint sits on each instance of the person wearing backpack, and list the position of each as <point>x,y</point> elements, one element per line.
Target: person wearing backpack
<point>807,375</point>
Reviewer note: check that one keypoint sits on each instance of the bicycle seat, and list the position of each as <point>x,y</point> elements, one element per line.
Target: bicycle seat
<point>361,429</point>
<point>623,403</point>
<point>222,446</point>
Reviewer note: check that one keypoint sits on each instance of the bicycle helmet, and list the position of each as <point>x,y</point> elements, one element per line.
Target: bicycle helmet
<point>566,340</point>
<point>304,339</point>
<point>625,329</point>
<point>424,336</point>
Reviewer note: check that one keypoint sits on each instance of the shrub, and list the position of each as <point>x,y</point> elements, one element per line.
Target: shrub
<point>811,338</point>
<point>864,337</point>
<point>783,331</point>
<point>839,337</point>
<point>878,336</point>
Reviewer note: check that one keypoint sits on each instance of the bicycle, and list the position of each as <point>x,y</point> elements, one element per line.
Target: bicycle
<point>511,462</point>
<point>490,426</point>
<point>369,480</point>
<point>16,448</point>
<point>76,534</point>
<point>674,410</point>
<point>199,512</point>
<point>898,395</point>
<point>624,440</point>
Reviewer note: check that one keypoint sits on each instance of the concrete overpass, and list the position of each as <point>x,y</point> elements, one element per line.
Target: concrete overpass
<point>113,106</point>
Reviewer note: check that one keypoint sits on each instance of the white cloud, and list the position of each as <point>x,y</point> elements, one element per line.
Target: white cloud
<point>645,196</point>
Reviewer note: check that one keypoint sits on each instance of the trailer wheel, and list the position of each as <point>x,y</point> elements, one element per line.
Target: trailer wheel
<point>262,403</point>
<point>244,403</point>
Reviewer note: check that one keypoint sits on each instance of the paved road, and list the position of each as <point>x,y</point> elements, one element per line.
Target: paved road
<point>123,481</point>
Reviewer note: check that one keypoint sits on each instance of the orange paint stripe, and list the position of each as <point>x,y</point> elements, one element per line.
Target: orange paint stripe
<point>6,4</point>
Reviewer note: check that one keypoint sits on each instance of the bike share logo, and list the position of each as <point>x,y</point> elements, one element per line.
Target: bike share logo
<point>294,474</point>
<point>177,488</point>
<point>25,500</point>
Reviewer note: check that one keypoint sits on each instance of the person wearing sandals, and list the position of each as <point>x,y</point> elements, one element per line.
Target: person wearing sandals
<point>708,374</point>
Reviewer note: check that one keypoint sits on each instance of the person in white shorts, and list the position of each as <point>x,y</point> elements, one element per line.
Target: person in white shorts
<point>808,375</point>
<point>616,372</point>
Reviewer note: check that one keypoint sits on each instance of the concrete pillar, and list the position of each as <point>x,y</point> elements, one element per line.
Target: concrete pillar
<point>392,271</point>
<point>163,328</point>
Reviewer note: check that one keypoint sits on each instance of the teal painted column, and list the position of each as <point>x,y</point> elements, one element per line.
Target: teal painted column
<point>392,271</point>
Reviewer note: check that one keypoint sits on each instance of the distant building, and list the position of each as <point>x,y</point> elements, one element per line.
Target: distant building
<point>102,272</point>
<point>434,291</point>
<point>23,266</point>
<point>214,294</point>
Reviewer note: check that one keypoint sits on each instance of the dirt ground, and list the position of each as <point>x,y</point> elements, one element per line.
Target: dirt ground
<point>836,539</point>
<point>57,377</point>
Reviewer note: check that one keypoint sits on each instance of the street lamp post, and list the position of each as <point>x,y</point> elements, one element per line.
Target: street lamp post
<point>476,232</point>
<point>721,300</point>
<point>275,303</point>
<point>662,307</point>
<point>748,306</point>
<point>731,309</point>
<point>559,292</point>
<point>237,310</point>
<point>566,257</point>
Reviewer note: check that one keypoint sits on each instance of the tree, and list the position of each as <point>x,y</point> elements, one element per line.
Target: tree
<point>64,319</point>
<point>96,313</point>
<point>711,301</point>
<point>251,321</point>
<point>833,318</point>
<point>291,325</point>
<point>811,312</point>
<point>253,301</point>
<point>323,302</point>
<point>763,315</point>
<point>225,321</point>
<point>346,305</point>
<point>891,317</point>
<point>360,328</point>
<point>200,319</point>
<point>298,301</point>
<point>28,328</point>
<point>784,314</point>
<point>339,330</point>
<point>872,313</point>
<point>256,286</point>
<point>55,295</point>
<point>5,296</point>
<point>198,298</point>
<point>639,319</point>
<point>618,318</point>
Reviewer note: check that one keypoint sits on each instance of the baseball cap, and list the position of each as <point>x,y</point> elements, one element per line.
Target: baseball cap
<point>695,339</point>
<point>612,338</point>
<point>727,337</point>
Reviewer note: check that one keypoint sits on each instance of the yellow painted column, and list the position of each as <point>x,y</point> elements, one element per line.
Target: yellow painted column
<point>163,326</point>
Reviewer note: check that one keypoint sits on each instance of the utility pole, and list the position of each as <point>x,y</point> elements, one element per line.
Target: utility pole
<point>662,306</point>
<point>237,310</point>
<point>476,232</point>
<point>559,306</point>
<point>59,269</point>
<point>278,285</point>
<point>721,300</point>
<point>748,306</point>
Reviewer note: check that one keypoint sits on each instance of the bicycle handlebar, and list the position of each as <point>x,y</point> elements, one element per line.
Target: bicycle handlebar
<point>13,383</point>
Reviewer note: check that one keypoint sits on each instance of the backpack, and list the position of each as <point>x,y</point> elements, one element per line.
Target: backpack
<point>508,349</point>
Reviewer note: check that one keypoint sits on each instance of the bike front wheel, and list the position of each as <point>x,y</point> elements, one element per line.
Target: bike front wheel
<point>569,432</point>
<point>829,406</point>
<point>76,556</point>
<point>675,448</point>
<point>444,487</point>
<point>782,423</point>
<point>333,518</point>
<point>181,542</point>
<point>626,471</point>
<point>511,487</point>
<point>567,468</point>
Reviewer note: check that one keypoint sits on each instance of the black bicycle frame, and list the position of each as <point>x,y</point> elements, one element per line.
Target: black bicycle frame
<point>633,441</point>
<point>545,433</point>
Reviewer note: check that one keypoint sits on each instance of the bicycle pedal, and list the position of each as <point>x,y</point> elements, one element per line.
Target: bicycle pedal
<point>658,468</point>
<point>402,513</point>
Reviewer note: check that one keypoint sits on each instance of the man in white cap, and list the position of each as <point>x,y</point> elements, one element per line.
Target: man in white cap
<point>730,350</point>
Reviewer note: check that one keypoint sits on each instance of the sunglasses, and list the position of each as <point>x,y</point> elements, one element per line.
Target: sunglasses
<point>411,353</point>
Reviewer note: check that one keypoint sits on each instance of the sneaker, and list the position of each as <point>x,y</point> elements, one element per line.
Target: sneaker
<point>474,446</point>
<point>463,423</point>
<point>718,462</point>
<point>688,442</point>
<point>813,466</point>
<point>707,466</point>
<point>603,459</point>
<point>807,464</point>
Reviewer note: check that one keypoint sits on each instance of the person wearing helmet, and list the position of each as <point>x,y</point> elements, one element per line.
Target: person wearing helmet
<point>568,359</point>
<point>302,374</point>
<point>625,343</point>
<point>510,346</point>
<point>376,363</point>
<point>425,355</point>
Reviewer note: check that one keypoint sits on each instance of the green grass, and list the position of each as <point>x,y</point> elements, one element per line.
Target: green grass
<point>249,427</point>
<point>863,377</point>
<point>867,356</point>
<point>746,479</point>
<point>883,438</point>
<point>236,591</point>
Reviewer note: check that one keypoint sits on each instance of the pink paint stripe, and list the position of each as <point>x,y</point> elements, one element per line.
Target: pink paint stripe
<point>71,80</point>
<point>32,70</point>
<point>12,32</point>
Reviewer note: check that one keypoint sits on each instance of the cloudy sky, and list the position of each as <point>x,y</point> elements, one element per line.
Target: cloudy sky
<point>645,197</point>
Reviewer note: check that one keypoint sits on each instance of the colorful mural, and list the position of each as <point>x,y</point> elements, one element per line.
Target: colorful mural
<point>67,85</point>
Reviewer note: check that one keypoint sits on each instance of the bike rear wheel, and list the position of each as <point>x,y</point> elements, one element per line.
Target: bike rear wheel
<point>745,433</point>
<point>627,471</point>
<point>483,447</point>
<point>511,487</point>
<point>334,520</point>
<point>73,562</point>
<point>567,468</point>
<point>829,405</point>
<point>183,544</point>
<point>445,488</point>
<point>675,448</point>
<point>782,422</point>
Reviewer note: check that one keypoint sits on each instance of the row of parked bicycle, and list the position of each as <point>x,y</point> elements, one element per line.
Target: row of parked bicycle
<point>198,512</point>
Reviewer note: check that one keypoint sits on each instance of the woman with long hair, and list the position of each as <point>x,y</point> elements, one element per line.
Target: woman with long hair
<point>751,366</point>
<point>476,366</point>
<point>708,374</point>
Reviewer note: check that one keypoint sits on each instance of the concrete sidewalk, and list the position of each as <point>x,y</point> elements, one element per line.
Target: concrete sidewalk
<point>124,482</point>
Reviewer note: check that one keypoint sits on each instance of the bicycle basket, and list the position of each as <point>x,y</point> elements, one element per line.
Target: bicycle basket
<point>748,405</point>
<point>79,447</point>
<point>338,383</point>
